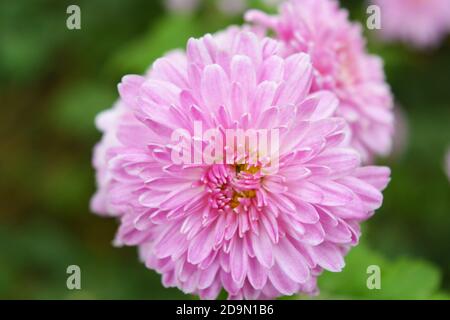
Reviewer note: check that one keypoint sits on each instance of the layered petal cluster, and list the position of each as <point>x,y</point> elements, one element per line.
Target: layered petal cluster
<point>109,122</point>
<point>421,23</point>
<point>254,232</point>
<point>342,65</point>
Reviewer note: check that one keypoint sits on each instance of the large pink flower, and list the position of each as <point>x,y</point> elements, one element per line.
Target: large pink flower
<point>252,230</point>
<point>422,23</point>
<point>342,65</point>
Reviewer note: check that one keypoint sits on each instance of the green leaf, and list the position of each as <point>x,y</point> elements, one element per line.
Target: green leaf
<point>402,279</point>
<point>352,281</point>
<point>410,279</point>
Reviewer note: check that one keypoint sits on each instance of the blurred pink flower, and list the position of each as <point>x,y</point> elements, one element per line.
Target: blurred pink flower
<point>232,7</point>
<point>272,2</point>
<point>401,133</point>
<point>182,5</point>
<point>255,233</point>
<point>342,65</point>
<point>447,163</point>
<point>422,23</point>
<point>227,7</point>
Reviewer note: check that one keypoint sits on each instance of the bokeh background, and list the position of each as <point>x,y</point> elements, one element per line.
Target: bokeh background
<point>53,81</point>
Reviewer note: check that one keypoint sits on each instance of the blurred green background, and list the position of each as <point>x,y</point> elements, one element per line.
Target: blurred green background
<point>53,81</point>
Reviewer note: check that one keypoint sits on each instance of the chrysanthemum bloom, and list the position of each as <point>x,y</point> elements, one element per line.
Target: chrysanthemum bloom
<point>254,231</point>
<point>421,23</point>
<point>342,65</point>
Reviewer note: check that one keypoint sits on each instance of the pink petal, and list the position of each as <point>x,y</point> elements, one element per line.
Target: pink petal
<point>328,256</point>
<point>201,246</point>
<point>281,281</point>
<point>256,273</point>
<point>262,247</point>
<point>291,261</point>
<point>215,87</point>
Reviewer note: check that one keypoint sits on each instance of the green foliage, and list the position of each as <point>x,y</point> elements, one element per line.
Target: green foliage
<point>75,107</point>
<point>403,278</point>
<point>42,251</point>
<point>139,53</point>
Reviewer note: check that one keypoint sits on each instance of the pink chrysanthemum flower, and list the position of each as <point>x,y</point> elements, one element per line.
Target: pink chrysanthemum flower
<point>342,65</point>
<point>422,23</point>
<point>251,230</point>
